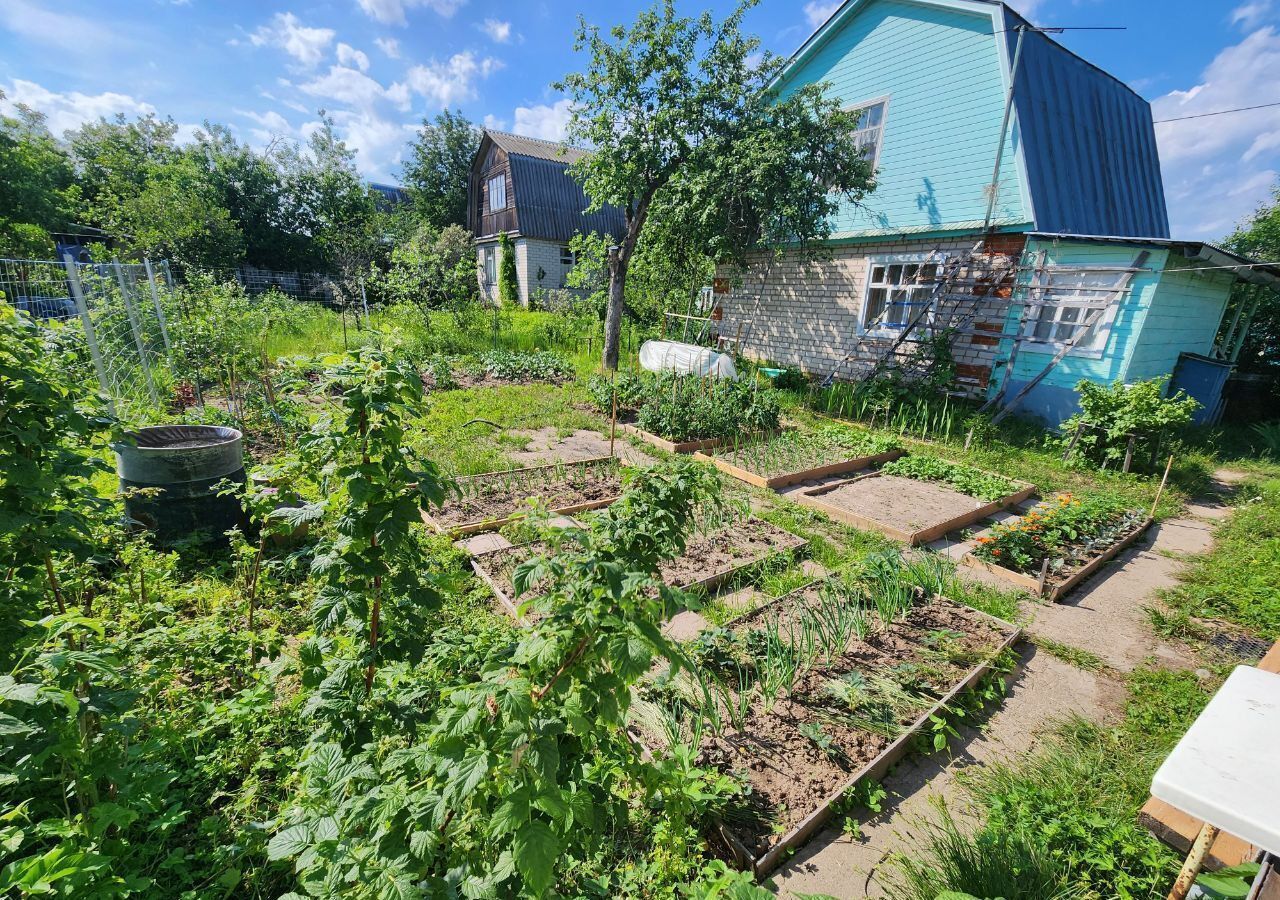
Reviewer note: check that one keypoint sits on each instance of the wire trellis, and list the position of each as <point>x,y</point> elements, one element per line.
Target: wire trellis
<point>115,307</point>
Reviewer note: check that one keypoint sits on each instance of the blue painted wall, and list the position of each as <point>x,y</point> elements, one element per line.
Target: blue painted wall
<point>1168,311</point>
<point>941,70</point>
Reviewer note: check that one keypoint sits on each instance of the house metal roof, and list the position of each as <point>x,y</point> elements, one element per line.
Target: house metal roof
<point>1086,138</point>
<point>536,148</point>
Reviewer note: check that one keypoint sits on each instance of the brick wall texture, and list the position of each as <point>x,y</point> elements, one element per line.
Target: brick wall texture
<point>807,315</point>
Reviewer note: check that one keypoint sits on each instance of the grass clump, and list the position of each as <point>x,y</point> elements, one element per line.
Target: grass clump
<point>1065,816</point>
<point>1236,580</point>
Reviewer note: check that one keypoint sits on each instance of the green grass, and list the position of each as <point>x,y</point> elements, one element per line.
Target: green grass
<point>1076,799</point>
<point>1236,580</point>
<point>1074,656</point>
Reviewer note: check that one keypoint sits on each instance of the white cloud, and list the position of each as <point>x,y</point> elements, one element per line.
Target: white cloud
<point>347,86</point>
<point>350,56</point>
<point>1250,15</point>
<point>818,11</point>
<point>379,143</point>
<point>271,125</point>
<point>1217,169</point>
<point>447,83</point>
<point>392,12</point>
<point>493,123</point>
<point>547,122</point>
<point>498,31</point>
<point>389,46</point>
<point>306,45</point>
<point>65,112</point>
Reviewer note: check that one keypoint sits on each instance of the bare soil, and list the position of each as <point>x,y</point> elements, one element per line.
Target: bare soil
<point>789,774</point>
<point>545,445</point>
<point>903,503</point>
<point>500,496</point>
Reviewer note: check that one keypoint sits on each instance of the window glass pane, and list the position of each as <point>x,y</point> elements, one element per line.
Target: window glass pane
<point>497,193</point>
<point>1042,331</point>
<point>929,273</point>
<point>875,305</point>
<point>909,273</point>
<point>1064,332</point>
<point>877,275</point>
<point>899,312</point>
<point>895,274</point>
<point>872,116</point>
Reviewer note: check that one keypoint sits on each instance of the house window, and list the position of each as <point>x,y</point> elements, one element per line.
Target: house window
<point>497,193</point>
<point>568,257</point>
<point>897,288</point>
<point>1063,299</point>
<point>490,265</point>
<point>870,129</point>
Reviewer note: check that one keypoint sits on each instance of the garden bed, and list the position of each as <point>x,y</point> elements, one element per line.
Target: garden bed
<point>846,719</point>
<point>708,561</point>
<point>1049,559</point>
<point>910,509</point>
<point>793,457</point>
<point>662,443</point>
<point>494,499</point>
<point>496,368</point>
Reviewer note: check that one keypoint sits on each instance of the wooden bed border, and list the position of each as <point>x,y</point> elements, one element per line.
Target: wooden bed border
<point>912,538</point>
<point>483,525</point>
<point>774,482</point>
<point>683,446</point>
<point>1038,587</point>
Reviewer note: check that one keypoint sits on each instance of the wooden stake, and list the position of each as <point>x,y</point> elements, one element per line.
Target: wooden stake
<point>968,439</point>
<point>613,415</point>
<point>1195,860</point>
<point>1075,439</point>
<point>1160,490</point>
<point>1128,453</point>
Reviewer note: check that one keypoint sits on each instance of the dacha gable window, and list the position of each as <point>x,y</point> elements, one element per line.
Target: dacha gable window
<point>870,129</point>
<point>1063,299</point>
<point>897,289</point>
<point>497,193</point>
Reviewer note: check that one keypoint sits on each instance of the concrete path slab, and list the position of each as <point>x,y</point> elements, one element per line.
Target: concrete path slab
<point>685,626</point>
<point>482,543</point>
<point>1045,690</point>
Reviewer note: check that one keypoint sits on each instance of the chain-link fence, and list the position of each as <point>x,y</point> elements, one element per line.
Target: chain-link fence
<point>115,307</point>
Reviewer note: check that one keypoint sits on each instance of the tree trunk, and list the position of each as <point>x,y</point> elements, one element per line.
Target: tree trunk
<point>613,312</point>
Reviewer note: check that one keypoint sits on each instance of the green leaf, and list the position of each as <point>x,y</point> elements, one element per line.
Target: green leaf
<point>289,842</point>
<point>536,848</point>
<point>1232,883</point>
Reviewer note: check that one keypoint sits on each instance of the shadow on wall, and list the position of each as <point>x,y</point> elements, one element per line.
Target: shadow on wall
<point>927,202</point>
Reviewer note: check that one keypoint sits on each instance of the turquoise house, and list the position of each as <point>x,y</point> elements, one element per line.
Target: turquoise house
<point>996,150</point>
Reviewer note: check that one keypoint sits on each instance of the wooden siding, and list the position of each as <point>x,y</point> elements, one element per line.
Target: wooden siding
<point>483,222</point>
<point>1185,312</point>
<point>941,71</point>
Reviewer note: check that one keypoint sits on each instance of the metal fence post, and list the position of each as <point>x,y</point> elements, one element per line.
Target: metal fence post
<point>137,330</point>
<point>77,291</point>
<point>155,300</point>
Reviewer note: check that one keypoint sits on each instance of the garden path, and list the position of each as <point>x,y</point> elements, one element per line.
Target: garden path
<point>1106,616</point>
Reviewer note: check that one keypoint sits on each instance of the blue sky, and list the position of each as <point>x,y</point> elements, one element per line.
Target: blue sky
<point>380,66</point>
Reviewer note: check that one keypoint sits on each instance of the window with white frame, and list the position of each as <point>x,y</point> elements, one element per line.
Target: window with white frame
<point>1063,299</point>
<point>898,287</point>
<point>870,129</point>
<point>490,265</point>
<point>568,257</point>
<point>497,193</point>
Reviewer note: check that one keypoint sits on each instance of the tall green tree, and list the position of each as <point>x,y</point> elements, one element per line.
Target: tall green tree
<point>686,126</point>
<point>437,171</point>
<point>151,197</point>
<point>1258,307</point>
<point>38,194</point>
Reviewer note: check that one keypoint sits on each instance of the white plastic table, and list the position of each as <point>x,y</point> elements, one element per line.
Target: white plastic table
<point>1226,769</point>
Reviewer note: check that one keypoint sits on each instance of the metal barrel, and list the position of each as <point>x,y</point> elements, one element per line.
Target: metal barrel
<point>182,464</point>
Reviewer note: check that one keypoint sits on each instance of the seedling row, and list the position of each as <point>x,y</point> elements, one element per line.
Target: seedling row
<point>806,698</point>
<point>489,501</point>
<point>793,456</point>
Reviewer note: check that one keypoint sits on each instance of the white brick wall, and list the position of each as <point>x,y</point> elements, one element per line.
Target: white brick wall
<point>532,256</point>
<point>807,315</point>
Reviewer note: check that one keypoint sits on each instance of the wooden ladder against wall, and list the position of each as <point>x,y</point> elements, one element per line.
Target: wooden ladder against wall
<point>951,307</point>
